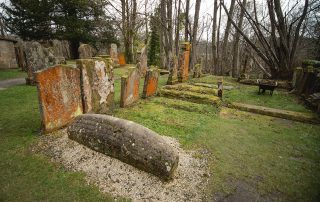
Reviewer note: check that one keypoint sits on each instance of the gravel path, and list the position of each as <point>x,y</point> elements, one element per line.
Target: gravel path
<point>122,180</point>
<point>11,82</point>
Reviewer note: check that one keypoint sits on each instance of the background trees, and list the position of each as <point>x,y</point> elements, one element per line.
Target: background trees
<point>73,20</point>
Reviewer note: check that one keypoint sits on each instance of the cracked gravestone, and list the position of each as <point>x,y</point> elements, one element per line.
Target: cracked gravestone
<point>59,96</point>
<point>150,83</point>
<point>130,87</point>
<point>97,84</point>
<point>127,141</point>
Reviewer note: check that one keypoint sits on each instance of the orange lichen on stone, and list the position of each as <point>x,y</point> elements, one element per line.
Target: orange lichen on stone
<point>122,59</point>
<point>130,87</point>
<point>150,83</point>
<point>184,63</point>
<point>59,96</point>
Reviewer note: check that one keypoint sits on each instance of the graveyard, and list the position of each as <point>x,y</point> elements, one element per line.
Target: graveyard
<point>159,101</point>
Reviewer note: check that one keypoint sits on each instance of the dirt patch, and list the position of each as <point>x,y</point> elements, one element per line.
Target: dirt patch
<point>122,180</point>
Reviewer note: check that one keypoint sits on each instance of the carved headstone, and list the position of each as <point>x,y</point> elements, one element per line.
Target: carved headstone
<point>130,87</point>
<point>97,83</point>
<point>173,75</point>
<point>85,51</point>
<point>7,54</point>
<point>114,53</point>
<point>143,61</point>
<point>150,83</point>
<point>59,96</point>
<point>127,141</point>
<point>184,62</point>
<point>297,77</point>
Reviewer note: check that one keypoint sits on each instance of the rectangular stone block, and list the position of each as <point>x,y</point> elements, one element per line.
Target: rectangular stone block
<point>150,83</point>
<point>173,75</point>
<point>184,62</point>
<point>97,84</point>
<point>59,96</point>
<point>130,87</point>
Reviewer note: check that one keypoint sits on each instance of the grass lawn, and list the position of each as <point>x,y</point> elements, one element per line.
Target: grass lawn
<point>12,74</point>
<point>277,159</point>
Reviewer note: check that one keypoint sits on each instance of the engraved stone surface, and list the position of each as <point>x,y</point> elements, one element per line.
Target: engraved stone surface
<point>130,87</point>
<point>150,83</point>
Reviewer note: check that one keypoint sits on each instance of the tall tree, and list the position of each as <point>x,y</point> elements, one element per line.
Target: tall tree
<point>194,34</point>
<point>214,35</point>
<point>236,51</point>
<point>224,47</point>
<point>186,28</point>
<point>278,43</point>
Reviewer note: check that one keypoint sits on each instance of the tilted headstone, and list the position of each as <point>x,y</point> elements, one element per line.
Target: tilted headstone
<point>130,87</point>
<point>127,141</point>
<point>59,96</point>
<point>150,83</point>
<point>173,75</point>
<point>184,62</point>
<point>85,51</point>
<point>114,53</point>
<point>197,71</point>
<point>97,84</point>
<point>143,61</point>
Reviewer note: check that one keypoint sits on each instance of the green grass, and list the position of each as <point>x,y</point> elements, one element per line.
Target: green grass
<point>276,157</point>
<point>25,176</point>
<point>247,94</point>
<point>12,74</point>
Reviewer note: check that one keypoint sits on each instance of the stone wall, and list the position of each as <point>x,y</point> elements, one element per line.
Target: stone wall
<point>7,54</point>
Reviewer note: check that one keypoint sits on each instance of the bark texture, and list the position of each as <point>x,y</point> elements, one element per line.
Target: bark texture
<point>127,141</point>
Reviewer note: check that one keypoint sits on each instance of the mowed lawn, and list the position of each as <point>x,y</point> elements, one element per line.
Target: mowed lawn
<point>275,158</point>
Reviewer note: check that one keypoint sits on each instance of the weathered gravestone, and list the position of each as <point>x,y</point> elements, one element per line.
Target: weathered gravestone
<point>97,84</point>
<point>173,75</point>
<point>130,87</point>
<point>36,59</point>
<point>197,71</point>
<point>114,53</point>
<point>184,62</point>
<point>297,77</point>
<point>127,141</point>
<point>59,96</point>
<point>143,61</point>
<point>150,83</point>
<point>85,51</point>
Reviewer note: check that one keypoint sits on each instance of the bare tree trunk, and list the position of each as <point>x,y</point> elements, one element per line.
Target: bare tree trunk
<point>146,21</point>
<point>194,34</point>
<point>225,39</point>
<point>235,61</point>
<point>177,28</point>
<point>214,36</point>
<point>186,29</point>
<point>218,45</point>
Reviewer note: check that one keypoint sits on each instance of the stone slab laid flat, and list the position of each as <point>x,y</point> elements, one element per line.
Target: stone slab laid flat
<point>192,88</point>
<point>190,96</point>
<point>207,85</point>
<point>285,114</point>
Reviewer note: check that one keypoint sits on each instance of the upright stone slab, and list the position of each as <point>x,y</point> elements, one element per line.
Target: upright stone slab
<point>173,75</point>
<point>97,84</point>
<point>143,61</point>
<point>150,83</point>
<point>297,77</point>
<point>122,59</point>
<point>130,87</point>
<point>59,96</point>
<point>85,51</point>
<point>184,62</point>
<point>197,71</point>
<point>36,59</point>
<point>114,53</point>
